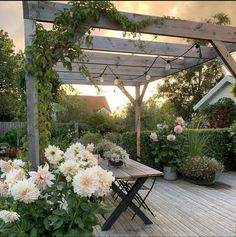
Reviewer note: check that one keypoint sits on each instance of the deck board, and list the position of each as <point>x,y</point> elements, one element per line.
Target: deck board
<point>183,209</point>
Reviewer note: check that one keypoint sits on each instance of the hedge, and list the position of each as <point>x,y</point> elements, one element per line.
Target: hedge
<point>219,146</point>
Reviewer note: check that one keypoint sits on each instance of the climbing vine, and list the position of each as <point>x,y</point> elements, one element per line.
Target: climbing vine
<point>62,43</point>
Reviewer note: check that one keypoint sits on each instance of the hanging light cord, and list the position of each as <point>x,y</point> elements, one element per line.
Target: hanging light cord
<point>145,73</point>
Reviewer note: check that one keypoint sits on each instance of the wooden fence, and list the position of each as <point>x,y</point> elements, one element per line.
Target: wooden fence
<point>7,126</point>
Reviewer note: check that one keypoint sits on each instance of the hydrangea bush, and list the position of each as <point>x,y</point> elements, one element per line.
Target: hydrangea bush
<point>166,144</point>
<point>61,198</point>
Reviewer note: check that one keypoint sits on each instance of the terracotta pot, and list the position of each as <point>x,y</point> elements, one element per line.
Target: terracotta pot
<point>11,152</point>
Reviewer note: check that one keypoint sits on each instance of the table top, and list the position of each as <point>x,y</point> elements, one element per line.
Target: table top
<point>132,170</point>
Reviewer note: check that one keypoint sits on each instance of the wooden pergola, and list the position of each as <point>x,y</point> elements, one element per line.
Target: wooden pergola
<point>125,61</point>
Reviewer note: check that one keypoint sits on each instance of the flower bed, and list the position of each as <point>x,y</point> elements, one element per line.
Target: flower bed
<point>61,198</point>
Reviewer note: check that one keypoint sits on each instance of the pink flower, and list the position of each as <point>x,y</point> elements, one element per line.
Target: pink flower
<point>153,136</point>
<point>90,147</point>
<point>171,137</point>
<point>178,129</point>
<point>43,177</point>
<point>180,121</point>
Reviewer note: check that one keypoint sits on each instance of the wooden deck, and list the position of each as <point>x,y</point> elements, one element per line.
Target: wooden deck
<point>184,209</point>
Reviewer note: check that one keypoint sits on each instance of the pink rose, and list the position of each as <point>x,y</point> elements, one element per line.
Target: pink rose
<point>171,137</point>
<point>180,121</point>
<point>153,136</point>
<point>178,129</point>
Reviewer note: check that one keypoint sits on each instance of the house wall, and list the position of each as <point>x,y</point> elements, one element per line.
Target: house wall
<point>224,91</point>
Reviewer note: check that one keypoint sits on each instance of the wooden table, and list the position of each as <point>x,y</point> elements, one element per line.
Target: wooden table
<point>133,170</point>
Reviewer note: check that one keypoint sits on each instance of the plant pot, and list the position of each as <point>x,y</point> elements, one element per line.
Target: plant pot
<point>170,173</point>
<point>199,181</point>
<point>115,163</point>
<point>11,152</point>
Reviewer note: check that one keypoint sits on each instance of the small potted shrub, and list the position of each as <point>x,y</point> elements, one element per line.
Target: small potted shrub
<point>201,170</point>
<point>103,146</point>
<point>116,156</point>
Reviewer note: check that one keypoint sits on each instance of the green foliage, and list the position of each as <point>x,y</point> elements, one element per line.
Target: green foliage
<point>63,134</point>
<point>103,145</point>
<point>11,94</point>
<point>218,115</point>
<point>50,46</point>
<point>195,144</point>
<point>89,137</point>
<point>218,146</point>
<point>114,137</point>
<point>201,167</point>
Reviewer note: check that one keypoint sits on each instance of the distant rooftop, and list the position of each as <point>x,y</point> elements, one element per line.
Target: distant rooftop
<point>94,103</point>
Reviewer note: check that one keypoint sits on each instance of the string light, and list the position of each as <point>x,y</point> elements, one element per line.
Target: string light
<point>196,48</point>
<point>147,76</point>
<point>101,79</point>
<point>116,81</point>
<point>168,65</point>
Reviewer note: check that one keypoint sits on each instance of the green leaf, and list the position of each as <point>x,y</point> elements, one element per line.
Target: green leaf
<point>34,232</point>
<point>79,222</point>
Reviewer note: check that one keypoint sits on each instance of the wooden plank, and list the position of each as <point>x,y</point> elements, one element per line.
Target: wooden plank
<point>132,61</point>
<point>112,44</point>
<point>168,27</point>
<point>137,109</point>
<point>32,103</point>
<point>126,93</point>
<point>228,60</point>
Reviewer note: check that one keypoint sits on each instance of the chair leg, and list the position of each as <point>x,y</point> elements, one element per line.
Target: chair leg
<point>143,203</point>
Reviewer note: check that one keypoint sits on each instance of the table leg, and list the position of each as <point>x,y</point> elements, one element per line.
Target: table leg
<point>126,202</point>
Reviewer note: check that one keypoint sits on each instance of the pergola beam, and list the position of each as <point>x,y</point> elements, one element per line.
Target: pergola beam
<point>225,56</point>
<point>112,44</point>
<point>46,12</point>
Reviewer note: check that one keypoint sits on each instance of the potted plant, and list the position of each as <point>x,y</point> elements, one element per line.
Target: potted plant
<point>61,198</point>
<point>166,146</point>
<point>103,146</point>
<point>201,170</point>
<point>116,156</point>
<point>197,167</point>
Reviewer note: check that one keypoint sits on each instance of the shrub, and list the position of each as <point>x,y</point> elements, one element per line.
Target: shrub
<point>114,137</point>
<point>201,167</point>
<point>103,146</point>
<point>218,146</point>
<point>89,137</point>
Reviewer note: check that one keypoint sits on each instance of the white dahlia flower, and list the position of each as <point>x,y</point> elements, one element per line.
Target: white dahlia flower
<point>69,167</point>
<point>14,176</point>
<point>85,183</point>
<point>43,177</point>
<point>25,191</point>
<point>73,150</point>
<point>9,216</point>
<point>53,154</point>
<point>105,180</point>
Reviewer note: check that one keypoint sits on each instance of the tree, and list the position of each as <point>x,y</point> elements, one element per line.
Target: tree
<point>186,88</point>
<point>11,66</point>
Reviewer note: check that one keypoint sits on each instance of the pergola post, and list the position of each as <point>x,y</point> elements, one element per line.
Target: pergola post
<point>225,56</point>
<point>137,108</point>
<point>137,102</point>
<point>32,103</point>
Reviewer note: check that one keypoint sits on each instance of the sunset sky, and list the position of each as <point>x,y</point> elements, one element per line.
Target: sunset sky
<point>11,21</point>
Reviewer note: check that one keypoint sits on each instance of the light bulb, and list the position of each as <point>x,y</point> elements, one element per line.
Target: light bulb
<point>168,66</point>
<point>195,48</point>
<point>101,79</point>
<point>148,77</point>
<point>116,81</point>
<point>87,78</point>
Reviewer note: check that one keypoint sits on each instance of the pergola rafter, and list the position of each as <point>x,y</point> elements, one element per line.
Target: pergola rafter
<point>129,60</point>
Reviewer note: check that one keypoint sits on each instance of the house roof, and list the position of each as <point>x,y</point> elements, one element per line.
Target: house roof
<point>95,103</point>
<point>217,87</point>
